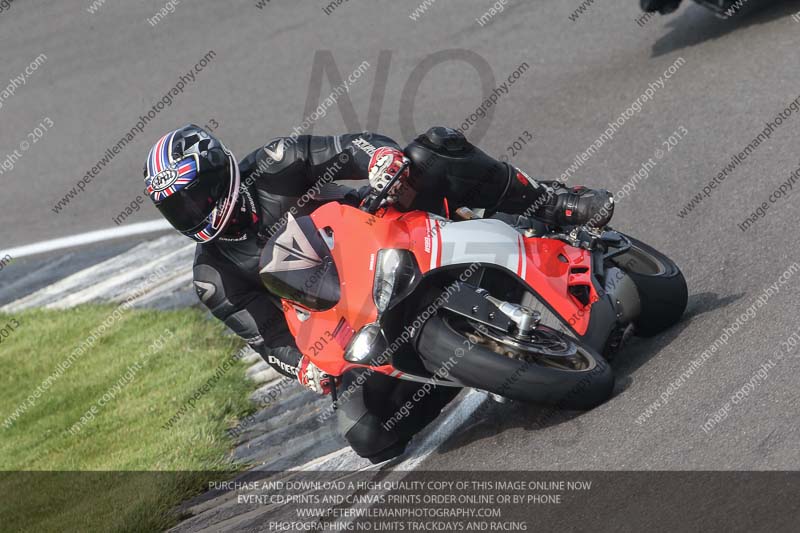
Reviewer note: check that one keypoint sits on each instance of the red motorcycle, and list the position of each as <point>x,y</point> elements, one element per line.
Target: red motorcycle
<point>523,314</point>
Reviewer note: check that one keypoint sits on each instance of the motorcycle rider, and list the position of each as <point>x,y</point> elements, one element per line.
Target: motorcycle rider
<point>231,209</point>
<point>662,6</point>
<point>723,8</point>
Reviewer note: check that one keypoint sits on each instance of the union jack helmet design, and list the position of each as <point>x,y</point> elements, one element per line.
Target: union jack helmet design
<point>193,180</point>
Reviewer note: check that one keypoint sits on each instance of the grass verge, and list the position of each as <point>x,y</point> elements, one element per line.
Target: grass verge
<point>107,409</point>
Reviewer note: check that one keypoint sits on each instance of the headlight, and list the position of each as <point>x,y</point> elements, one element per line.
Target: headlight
<point>395,272</point>
<point>366,345</point>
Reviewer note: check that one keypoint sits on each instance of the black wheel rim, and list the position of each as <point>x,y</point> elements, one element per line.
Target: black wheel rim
<point>545,346</point>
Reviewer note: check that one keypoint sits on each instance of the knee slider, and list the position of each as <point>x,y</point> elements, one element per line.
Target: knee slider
<point>436,150</point>
<point>445,140</point>
<point>444,153</point>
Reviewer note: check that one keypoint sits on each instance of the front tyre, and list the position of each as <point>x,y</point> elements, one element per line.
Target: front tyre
<point>551,368</point>
<point>662,288</point>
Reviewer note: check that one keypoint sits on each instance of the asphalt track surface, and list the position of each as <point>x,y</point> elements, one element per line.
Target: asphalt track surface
<point>104,70</point>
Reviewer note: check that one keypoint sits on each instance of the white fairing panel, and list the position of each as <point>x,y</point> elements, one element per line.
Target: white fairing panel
<point>483,241</point>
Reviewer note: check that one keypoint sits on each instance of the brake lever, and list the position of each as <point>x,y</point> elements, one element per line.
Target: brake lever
<point>334,393</point>
<point>584,237</point>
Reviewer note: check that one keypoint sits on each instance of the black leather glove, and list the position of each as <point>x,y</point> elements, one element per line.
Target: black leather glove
<point>580,206</point>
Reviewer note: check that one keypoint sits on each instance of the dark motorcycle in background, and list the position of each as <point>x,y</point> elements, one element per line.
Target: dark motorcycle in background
<point>722,8</point>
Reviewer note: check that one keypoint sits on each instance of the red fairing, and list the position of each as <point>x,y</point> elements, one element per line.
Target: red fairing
<point>552,278</point>
<point>358,236</point>
<point>549,267</point>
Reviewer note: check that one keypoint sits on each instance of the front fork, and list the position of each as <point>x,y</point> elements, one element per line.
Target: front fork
<point>525,318</point>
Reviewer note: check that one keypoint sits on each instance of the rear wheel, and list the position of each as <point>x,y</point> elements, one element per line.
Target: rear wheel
<point>547,367</point>
<point>662,288</point>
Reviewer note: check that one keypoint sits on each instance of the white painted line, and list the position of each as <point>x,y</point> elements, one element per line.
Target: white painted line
<point>91,237</point>
<point>314,464</point>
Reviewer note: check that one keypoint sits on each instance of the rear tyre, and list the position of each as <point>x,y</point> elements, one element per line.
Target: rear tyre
<point>563,373</point>
<point>662,288</point>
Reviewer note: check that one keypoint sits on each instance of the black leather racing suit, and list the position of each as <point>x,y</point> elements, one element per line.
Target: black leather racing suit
<point>298,175</point>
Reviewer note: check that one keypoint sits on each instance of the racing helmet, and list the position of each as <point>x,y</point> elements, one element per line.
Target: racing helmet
<point>193,180</point>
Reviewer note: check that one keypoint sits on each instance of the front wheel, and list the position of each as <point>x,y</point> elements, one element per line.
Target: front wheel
<point>662,288</point>
<point>548,368</point>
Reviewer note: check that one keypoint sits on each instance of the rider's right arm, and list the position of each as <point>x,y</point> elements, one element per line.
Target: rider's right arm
<point>291,167</point>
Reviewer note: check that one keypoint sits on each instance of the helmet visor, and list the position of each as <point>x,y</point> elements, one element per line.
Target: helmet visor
<point>189,208</point>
